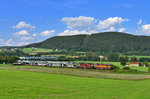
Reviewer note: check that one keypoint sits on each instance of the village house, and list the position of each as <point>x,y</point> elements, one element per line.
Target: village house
<point>102,57</point>
<point>135,64</point>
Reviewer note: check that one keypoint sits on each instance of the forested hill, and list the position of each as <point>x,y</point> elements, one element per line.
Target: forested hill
<point>107,41</point>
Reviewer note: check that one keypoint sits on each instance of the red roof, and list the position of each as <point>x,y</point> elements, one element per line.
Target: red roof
<point>134,62</point>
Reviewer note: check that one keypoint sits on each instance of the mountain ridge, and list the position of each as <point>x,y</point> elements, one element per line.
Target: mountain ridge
<point>105,41</point>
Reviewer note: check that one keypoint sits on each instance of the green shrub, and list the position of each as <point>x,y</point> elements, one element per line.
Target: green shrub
<point>126,68</point>
<point>114,67</point>
<point>146,63</point>
<point>135,70</point>
<point>149,69</point>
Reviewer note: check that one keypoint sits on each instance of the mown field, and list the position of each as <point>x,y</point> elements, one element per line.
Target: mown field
<point>139,56</point>
<point>16,84</point>
<point>109,74</point>
<point>36,50</point>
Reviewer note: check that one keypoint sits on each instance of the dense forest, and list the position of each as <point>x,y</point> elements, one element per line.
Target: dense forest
<point>102,42</point>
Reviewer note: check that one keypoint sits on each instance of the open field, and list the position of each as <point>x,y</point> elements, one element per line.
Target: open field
<point>35,85</point>
<point>81,52</point>
<point>54,55</point>
<point>35,50</point>
<point>139,56</point>
<point>116,64</point>
<point>120,74</point>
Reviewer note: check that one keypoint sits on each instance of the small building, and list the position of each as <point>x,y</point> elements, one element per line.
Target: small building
<point>135,64</point>
<point>102,57</point>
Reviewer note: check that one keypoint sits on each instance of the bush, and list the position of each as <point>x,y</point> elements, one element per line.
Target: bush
<point>135,70</point>
<point>114,67</point>
<point>146,63</point>
<point>8,59</point>
<point>126,68</point>
<point>123,61</point>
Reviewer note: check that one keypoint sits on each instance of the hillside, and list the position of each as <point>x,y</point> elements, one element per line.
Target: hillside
<point>107,41</point>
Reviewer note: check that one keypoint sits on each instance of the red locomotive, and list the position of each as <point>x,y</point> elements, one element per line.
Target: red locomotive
<point>86,65</point>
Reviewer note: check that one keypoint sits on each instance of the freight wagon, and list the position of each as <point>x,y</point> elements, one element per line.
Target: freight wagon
<point>86,65</point>
<point>102,66</point>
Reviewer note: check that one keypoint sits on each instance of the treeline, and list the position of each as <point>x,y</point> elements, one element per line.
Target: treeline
<point>87,57</point>
<point>111,57</point>
<point>8,52</point>
<point>8,59</point>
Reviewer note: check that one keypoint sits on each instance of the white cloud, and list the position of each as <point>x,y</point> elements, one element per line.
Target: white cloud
<point>109,29</point>
<point>111,22</point>
<point>10,42</point>
<point>47,32</point>
<point>121,30</point>
<point>145,29</point>
<point>140,21</point>
<point>22,43</point>
<point>34,35</point>
<point>74,32</point>
<point>80,22</point>
<point>22,33</point>
<point>89,25</point>
<point>26,38</point>
<point>23,24</point>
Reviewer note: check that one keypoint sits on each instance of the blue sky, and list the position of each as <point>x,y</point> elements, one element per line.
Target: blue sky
<point>29,21</point>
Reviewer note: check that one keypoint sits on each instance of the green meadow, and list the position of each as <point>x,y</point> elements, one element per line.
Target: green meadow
<point>139,56</point>
<point>30,50</point>
<point>16,84</point>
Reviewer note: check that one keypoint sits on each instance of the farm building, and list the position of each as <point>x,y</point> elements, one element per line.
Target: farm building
<point>136,64</point>
<point>102,57</point>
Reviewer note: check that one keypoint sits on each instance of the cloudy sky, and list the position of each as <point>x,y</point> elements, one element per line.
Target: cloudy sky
<point>28,21</point>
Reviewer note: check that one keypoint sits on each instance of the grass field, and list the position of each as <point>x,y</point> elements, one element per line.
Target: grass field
<point>119,74</point>
<point>140,56</point>
<point>35,85</point>
<point>53,55</point>
<point>36,50</point>
<point>81,52</point>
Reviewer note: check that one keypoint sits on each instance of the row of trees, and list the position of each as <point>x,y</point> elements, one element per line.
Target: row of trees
<point>13,53</point>
<point>8,59</point>
<point>111,57</point>
<point>87,57</point>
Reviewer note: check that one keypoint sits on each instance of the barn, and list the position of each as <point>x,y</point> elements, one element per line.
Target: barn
<point>135,64</point>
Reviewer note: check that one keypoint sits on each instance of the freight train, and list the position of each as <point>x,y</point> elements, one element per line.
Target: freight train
<point>95,66</point>
<point>64,64</point>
